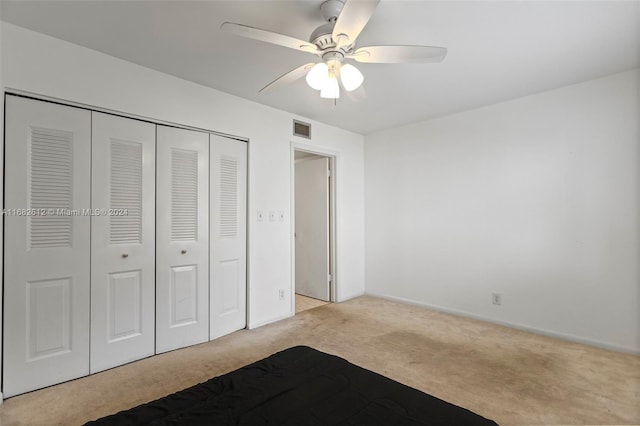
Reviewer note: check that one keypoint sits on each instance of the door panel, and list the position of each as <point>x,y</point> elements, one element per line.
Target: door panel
<point>228,235</point>
<point>312,228</point>
<point>184,295</point>
<point>46,252</point>
<point>125,306</point>
<point>122,241</point>
<point>182,236</point>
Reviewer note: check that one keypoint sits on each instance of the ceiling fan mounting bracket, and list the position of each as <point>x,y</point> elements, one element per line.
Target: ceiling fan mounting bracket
<point>331,9</point>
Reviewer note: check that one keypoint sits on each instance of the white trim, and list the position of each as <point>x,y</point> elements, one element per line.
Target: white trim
<point>249,230</point>
<point>269,321</point>
<point>24,93</point>
<point>334,160</point>
<point>541,331</point>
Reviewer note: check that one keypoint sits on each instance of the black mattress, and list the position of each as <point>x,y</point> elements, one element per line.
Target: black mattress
<point>298,386</point>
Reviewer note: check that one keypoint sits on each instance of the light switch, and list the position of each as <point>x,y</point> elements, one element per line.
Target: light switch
<point>281,216</point>
<point>260,215</point>
<point>272,216</point>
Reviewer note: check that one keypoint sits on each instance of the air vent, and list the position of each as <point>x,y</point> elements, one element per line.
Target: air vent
<point>301,129</point>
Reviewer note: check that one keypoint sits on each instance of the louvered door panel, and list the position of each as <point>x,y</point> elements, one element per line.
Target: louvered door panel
<point>125,192</point>
<point>228,235</point>
<point>123,241</point>
<point>46,252</point>
<point>182,235</point>
<point>184,195</point>
<point>51,187</point>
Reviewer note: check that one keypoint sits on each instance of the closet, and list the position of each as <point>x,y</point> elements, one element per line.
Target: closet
<point>123,239</point>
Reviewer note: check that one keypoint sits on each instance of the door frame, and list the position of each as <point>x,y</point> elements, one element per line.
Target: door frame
<point>334,164</point>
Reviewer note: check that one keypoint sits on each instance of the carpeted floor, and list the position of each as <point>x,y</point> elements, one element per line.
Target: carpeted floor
<point>510,376</point>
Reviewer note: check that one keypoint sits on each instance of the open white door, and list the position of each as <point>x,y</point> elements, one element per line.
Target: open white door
<point>312,227</point>
<point>122,241</point>
<point>182,238</point>
<point>46,264</point>
<point>228,235</point>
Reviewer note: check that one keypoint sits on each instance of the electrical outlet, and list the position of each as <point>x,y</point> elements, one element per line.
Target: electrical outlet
<point>281,293</point>
<point>496,298</point>
<point>260,215</point>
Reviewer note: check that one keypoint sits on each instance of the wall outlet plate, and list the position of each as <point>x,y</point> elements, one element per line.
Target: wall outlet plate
<point>281,294</point>
<point>496,298</point>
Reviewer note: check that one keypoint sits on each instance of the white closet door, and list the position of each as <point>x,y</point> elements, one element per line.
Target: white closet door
<point>228,235</point>
<point>122,241</point>
<point>182,238</point>
<point>46,268</point>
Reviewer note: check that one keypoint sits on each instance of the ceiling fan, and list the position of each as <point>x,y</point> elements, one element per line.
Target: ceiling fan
<point>335,42</point>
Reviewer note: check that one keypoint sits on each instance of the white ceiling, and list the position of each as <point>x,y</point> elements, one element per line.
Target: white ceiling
<point>498,50</point>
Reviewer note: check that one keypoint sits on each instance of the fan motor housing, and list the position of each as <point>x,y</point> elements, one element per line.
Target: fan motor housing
<point>321,37</point>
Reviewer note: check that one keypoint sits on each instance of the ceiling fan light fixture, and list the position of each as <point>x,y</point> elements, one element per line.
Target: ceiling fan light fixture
<point>351,77</point>
<point>331,88</point>
<point>317,76</point>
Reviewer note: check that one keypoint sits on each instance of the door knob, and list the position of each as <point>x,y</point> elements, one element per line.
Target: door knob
<point>183,251</point>
<point>125,255</point>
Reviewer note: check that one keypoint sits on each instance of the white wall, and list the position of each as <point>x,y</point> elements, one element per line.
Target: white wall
<point>536,198</point>
<point>46,66</point>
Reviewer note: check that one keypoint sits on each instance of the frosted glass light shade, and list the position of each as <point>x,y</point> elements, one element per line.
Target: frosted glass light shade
<point>318,75</point>
<point>331,89</point>
<point>351,77</point>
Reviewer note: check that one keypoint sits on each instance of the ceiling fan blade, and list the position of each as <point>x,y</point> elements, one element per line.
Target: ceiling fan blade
<point>354,16</point>
<point>289,77</point>
<point>399,54</point>
<point>268,37</point>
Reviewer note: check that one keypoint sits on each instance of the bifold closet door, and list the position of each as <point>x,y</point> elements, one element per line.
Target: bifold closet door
<point>46,246</point>
<point>122,241</point>
<point>228,235</point>
<point>182,238</point>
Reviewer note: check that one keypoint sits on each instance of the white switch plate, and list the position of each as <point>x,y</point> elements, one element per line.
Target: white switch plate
<point>260,215</point>
<point>272,216</point>
<point>281,216</point>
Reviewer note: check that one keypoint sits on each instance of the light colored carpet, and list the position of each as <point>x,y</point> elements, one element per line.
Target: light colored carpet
<point>304,303</point>
<point>510,376</point>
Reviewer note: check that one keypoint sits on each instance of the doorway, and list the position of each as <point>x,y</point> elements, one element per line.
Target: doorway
<point>313,229</point>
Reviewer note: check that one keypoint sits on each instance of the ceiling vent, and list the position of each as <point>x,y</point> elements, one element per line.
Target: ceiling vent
<point>301,129</point>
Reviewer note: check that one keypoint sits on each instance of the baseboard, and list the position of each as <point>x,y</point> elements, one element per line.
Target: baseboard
<point>344,298</point>
<point>517,326</point>
<point>269,321</point>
